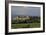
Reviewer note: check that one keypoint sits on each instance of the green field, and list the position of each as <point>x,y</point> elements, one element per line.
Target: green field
<point>28,25</point>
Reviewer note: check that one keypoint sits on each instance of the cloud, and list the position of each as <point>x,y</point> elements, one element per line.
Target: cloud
<point>30,11</point>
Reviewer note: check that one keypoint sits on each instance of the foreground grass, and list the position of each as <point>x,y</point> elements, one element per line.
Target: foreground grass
<point>28,25</point>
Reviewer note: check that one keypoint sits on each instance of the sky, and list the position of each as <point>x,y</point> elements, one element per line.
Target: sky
<point>26,11</point>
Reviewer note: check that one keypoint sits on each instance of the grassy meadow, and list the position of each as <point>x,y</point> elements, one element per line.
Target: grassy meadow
<point>28,25</point>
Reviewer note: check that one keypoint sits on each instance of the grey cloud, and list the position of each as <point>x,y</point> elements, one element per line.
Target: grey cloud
<point>30,11</point>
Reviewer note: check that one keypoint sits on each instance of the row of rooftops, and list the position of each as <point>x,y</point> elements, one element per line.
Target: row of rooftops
<point>27,16</point>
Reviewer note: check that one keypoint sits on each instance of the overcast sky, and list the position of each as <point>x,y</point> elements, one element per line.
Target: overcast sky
<point>29,11</point>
